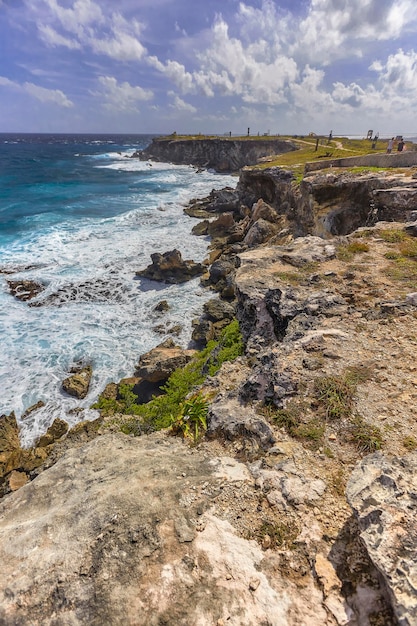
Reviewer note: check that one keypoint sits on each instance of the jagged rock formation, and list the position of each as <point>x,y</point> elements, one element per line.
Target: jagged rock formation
<point>171,268</point>
<point>223,155</point>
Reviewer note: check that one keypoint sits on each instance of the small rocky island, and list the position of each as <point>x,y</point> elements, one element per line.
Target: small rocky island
<point>294,503</point>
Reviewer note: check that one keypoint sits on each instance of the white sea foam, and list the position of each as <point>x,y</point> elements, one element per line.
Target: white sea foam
<point>40,344</point>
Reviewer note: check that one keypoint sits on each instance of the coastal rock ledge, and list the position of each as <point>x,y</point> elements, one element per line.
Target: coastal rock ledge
<point>134,535</point>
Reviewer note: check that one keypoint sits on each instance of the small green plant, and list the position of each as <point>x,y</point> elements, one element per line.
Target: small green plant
<point>312,430</point>
<point>335,395</point>
<point>392,236</point>
<point>281,533</point>
<point>367,437</point>
<point>392,255</point>
<point>284,418</point>
<point>410,443</point>
<point>347,252</point>
<point>191,420</point>
<point>408,248</point>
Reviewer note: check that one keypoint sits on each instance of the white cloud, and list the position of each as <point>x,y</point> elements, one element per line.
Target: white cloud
<point>175,71</point>
<point>40,93</point>
<point>337,29</point>
<point>180,105</point>
<point>398,75</point>
<point>111,35</point>
<point>52,38</point>
<point>74,20</point>
<point>121,96</point>
<point>48,95</point>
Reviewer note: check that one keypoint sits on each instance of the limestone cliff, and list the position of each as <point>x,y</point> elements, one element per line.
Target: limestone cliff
<point>223,155</point>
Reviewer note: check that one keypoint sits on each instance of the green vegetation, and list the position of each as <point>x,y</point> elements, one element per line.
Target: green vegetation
<point>367,437</point>
<point>335,394</point>
<point>403,257</point>
<point>191,420</point>
<point>172,407</point>
<point>410,443</point>
<point>290,419</point>
<point>280,533</point>
<point>392,235</point>
<point>347,252</point>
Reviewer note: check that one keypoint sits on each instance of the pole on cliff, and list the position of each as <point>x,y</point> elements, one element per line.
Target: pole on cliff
<point>248,131</point>
<point>317,144</point>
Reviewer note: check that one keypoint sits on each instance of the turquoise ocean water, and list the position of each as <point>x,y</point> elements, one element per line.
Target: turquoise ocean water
<point>79,216</point>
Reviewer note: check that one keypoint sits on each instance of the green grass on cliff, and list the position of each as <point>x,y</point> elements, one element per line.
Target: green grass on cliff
<point>162,411</point>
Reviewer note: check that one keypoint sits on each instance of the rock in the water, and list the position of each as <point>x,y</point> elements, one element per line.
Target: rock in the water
<point>78,383</point>
<point>25,289</point>
<point>171,268</point>
<point>383,494</point>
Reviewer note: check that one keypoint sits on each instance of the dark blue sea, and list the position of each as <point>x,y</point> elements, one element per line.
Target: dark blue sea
<point>79,216</point>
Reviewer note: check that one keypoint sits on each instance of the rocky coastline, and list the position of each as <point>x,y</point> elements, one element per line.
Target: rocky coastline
<point>296,507</point>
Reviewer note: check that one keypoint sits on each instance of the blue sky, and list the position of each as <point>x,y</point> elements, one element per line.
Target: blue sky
<point>210,66</point>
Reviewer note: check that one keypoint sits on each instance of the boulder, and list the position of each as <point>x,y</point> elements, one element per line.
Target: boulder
<point>382,493</point>
<point>170,268</point>
<point>78,383</point>
<point>411,228</point>
<point>260,232</point>
<point>229,419</point>
<point>216,310</point>
<point>162,307</point>
<point>263,210</point>
<point>158,364</point>
<point>201,228</point>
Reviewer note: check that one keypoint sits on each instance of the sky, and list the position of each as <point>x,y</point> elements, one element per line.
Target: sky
<point>209,66</point>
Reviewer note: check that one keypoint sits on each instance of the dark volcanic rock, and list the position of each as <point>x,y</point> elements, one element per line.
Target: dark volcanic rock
<point>170,268</point>
<point>25,289</point>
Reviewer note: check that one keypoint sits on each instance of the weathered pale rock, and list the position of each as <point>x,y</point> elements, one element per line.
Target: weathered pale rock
<point>229,419</point>
<point>383,493</point>
<point>108,536</point>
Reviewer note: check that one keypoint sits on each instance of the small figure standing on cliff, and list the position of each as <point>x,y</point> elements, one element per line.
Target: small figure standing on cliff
<point>390,145</point>
<point>400,146</point>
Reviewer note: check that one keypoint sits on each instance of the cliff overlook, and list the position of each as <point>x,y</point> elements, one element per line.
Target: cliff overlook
<point>295,506</point>
<point>221,154</point>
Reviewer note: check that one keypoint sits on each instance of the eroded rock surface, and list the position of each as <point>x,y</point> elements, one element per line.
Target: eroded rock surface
<point>383,494</point>
<point>135,531</point>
